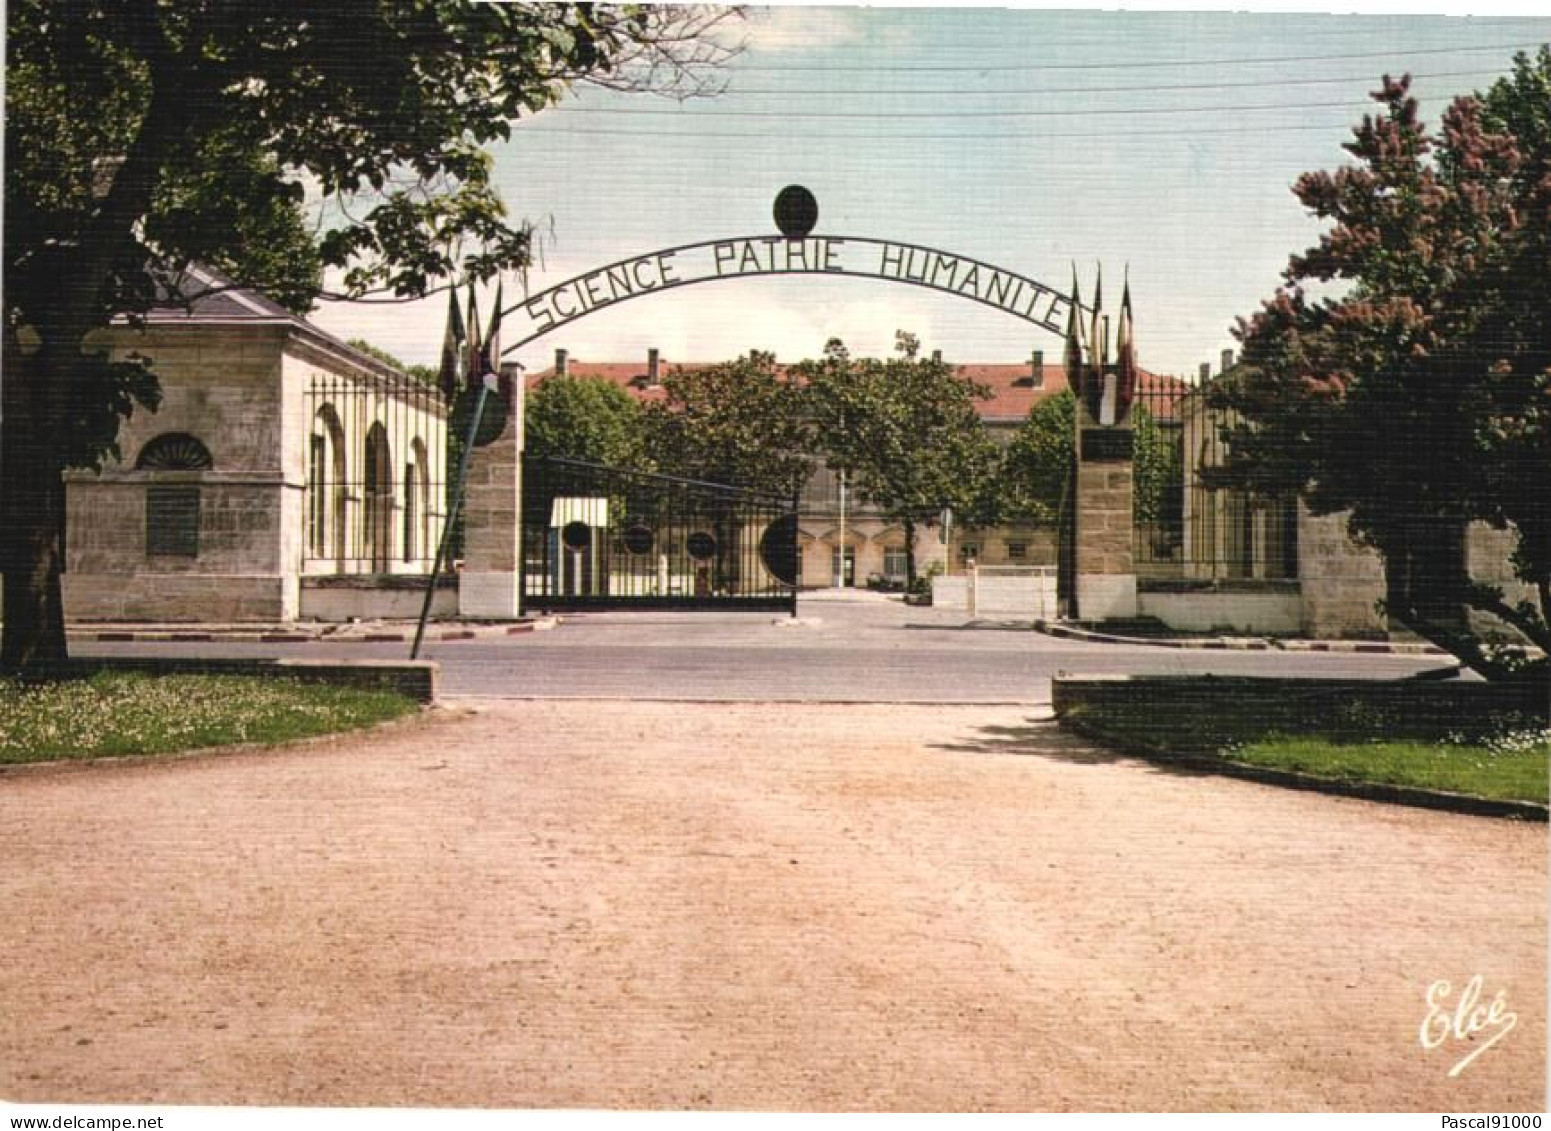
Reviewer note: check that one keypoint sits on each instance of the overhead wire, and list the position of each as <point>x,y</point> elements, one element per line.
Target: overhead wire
<point>1239,60</point>
<point>896,115</point>
<point>1149,88</point>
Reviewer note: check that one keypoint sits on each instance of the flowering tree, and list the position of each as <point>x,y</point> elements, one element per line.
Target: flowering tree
<point>1402,372</point>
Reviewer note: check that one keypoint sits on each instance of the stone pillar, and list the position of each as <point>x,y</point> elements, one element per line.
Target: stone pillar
<point>489,587</point>
<point>1106,575</point>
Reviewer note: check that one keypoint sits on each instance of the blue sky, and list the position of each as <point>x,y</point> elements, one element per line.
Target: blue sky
<point>1030,139</point>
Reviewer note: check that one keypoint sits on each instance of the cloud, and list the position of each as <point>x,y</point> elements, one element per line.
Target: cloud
<point>787,29</point>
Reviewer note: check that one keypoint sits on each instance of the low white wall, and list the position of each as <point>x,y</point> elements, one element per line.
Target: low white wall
<point>950,592</point>
<point>1021,596</point>
<point>367,602</point>
<point>1217,610</point>
<point>1024,597</point>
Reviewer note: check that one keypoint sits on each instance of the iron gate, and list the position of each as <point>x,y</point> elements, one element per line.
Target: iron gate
<point>596,537</point>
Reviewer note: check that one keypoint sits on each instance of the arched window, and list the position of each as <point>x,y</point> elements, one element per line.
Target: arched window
<point>378,513</point>
<point>174,451</point>
<point>327,493</point>
<point>417,498</point>
<point>172,510</point>
<point>411,511</point>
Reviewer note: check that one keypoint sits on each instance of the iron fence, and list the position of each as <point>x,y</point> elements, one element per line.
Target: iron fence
<point>603,537</point>
<point>1185,530</point>
<point>376,475</point>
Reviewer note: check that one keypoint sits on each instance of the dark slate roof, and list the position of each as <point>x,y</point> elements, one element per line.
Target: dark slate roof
<point>213,299</point>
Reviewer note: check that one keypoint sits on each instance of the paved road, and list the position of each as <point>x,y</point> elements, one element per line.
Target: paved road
<point>837,650</point>
<point>751,907</point>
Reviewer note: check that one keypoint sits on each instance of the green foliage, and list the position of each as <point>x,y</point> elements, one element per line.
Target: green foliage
<point>1487,750</point>
<point>584,418</point>
<point>115,714</point>
<point>740,422</point>
<point>904,428</point>
<point>1034,479</point>
<point>270,141</point>
<point>1159,471</point>
<point>425,374</point>
<point>1417,394</point>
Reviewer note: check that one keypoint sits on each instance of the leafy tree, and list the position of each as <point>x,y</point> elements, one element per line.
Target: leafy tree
<point>585,418</point>
<point>904,429</point>
<point>739,422</point>
<point>1032,483</point>
<point>1402,372</point>
<point>1159,471</point>
<point>425,374</point>
<point>145,135</point>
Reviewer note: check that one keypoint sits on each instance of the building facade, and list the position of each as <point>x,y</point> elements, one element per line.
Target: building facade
<point>281,464</point>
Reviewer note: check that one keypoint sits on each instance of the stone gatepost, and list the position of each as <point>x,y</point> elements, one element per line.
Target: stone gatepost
<point>490,586</point>
<point>1106,575</point>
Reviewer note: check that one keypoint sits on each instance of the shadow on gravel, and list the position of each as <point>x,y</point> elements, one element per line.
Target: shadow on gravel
<point>1045,739</point>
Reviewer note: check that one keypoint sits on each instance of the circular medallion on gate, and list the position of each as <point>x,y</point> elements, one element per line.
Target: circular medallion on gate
<point>778,549</point>
<point>796,212</point>
<point>701,546</point>
<point>576,535</point>
<point>638,538</point>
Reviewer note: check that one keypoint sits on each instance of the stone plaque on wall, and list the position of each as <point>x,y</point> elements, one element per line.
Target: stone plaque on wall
<point>1106,445</point>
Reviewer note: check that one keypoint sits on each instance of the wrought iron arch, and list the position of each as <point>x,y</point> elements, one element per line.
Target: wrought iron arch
<point>745,257</point>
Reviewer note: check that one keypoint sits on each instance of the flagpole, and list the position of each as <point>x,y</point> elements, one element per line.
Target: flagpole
<point>486,386</point>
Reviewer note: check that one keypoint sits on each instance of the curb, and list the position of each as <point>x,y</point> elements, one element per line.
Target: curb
<point>1240,643</point>
<point>1414,796</point>
<point>237,636</point>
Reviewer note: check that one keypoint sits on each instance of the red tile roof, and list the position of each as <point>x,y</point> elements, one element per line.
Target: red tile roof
<point>1013,395</point>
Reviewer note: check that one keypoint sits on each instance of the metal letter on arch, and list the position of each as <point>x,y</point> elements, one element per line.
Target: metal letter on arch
<point>828,257</point>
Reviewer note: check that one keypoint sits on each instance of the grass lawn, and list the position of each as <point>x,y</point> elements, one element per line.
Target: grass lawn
<point>1504,758</point>
<point>1482,770</point>
<point>117,713</point>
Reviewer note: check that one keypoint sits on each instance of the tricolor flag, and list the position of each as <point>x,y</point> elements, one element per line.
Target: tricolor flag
<point>1125,354</point>
<point>1102,385</point>
<point>490,349</point>
<point>1073,358</point>
<point>452,348</point>
<point>474,347</point>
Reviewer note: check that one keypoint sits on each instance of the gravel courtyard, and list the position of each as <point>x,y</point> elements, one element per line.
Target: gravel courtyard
<point>752,906</point>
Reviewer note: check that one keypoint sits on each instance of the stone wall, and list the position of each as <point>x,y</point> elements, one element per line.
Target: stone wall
<point>489,586</point>
<point>1106,574</point>
<point>1340,580</point>
<point>224,389</point>
<point>1489,558</point>
<point>338,599</point>
<point>1272,609</point>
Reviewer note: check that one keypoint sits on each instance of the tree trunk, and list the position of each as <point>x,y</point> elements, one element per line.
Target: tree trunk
<point>32,518</point>
<point>910,552</point>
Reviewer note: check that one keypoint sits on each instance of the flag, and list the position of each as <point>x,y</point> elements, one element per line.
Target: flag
<point>490,349</point>
<point>1073,358</point>
<point>1125,354</point>
<point>1101,399</point>
<point>474,345</point>
<point>452,344</point>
